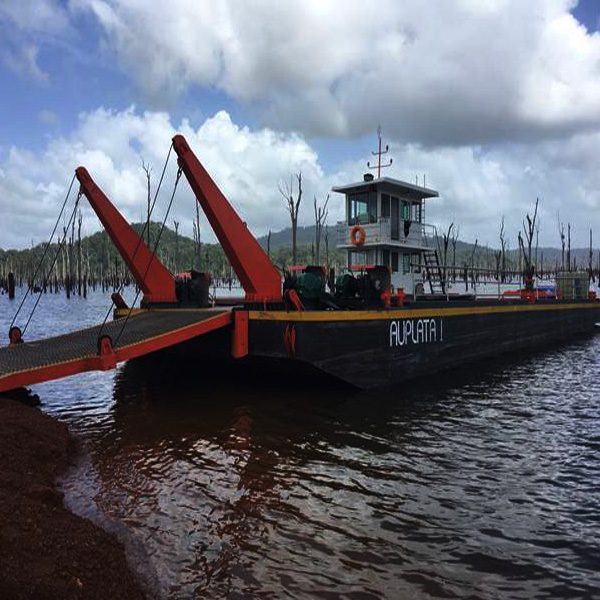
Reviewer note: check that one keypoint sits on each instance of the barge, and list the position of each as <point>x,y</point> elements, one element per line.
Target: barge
<point>389,317</point>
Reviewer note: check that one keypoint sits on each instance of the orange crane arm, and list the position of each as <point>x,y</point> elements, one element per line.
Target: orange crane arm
<point>257,274</point>
<point>151,276</point>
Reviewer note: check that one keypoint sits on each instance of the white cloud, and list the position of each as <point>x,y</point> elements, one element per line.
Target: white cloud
<point>441,72</point>
<point>47,16</point>
<point>111,144</point>
<point>23,62</point>
<point>477,186</point>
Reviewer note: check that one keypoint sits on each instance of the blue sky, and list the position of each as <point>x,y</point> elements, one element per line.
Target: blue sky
<point>588,13</point>
<point>498,101</point>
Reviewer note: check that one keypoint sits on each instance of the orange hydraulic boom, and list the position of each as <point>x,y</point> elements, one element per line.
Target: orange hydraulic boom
<point>151,276</point>
<point>257,274</point>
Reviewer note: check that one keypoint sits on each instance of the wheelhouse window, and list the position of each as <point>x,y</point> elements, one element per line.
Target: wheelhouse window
<point>405,214</point>
<point>362,208</point>
<point>358,259</point>
<point>385,258</point>
<point>416,260</point>
<point>416,212</point>
<point>385,206</point>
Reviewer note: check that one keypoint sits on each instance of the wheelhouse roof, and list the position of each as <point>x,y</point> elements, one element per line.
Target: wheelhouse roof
<point>388,184</point>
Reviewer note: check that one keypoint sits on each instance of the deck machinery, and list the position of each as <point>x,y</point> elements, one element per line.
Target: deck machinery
<point>360,328</point>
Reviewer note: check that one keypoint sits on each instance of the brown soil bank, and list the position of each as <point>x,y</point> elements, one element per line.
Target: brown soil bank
<point>45,550</point>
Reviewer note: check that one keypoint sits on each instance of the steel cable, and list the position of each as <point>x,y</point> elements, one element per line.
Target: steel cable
<point>141,238</point>
<point>44,254</point>
<point>153,254</point>
<point>60,247</point>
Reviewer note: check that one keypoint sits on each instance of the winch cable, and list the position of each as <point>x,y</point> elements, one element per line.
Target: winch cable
<point>58,250</point>
<point>37,270</point>
<point>153,254</point>
<point>146,226</point>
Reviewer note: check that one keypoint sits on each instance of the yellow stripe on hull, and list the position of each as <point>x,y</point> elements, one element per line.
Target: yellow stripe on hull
<point>413,313</point>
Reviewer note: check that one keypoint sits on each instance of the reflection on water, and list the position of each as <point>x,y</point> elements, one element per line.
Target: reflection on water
<point>484,484</point>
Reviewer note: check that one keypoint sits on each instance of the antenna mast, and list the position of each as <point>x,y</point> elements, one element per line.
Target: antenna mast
<point>379,154</point>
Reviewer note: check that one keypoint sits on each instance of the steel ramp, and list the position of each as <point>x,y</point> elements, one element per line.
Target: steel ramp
<point>77,352</point>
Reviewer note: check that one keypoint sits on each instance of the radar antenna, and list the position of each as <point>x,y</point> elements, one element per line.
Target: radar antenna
<point>379,154</point>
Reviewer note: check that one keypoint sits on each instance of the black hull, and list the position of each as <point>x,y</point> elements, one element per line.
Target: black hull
<point>370,349</point>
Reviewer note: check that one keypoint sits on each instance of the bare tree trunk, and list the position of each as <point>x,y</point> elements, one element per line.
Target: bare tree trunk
<point>591,256</point>
<point>454,241</point>
<point>529,227</point>
<point>294,241</point>
<point>446,240</point>
<point>176,226</point>
<point>11,286</point>
<point>503,251</point>
<point>147,170</point>
<point>197,240</point>
<point>561,231</point>
<point>320,220</point>
<point>79,221</point>
<point>293,206</point>
<point>568,246</point>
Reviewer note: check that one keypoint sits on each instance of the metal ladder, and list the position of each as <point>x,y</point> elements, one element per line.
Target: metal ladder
<point>437,285</point>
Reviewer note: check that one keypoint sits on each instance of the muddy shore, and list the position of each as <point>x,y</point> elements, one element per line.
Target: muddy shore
<point>45,550</point>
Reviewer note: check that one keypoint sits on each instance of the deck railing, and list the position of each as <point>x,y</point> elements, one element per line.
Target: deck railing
<point>380,232</point>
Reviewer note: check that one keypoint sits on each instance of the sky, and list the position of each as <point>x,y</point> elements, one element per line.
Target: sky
<point>496,102</point>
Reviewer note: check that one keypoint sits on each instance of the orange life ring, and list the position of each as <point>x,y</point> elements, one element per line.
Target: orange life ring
<point>358,235</point>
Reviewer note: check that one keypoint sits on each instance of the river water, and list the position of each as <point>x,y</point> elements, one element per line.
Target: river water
<point>483,483</point>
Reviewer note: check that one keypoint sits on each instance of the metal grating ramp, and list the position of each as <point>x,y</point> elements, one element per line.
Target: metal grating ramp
<point>145,332</point>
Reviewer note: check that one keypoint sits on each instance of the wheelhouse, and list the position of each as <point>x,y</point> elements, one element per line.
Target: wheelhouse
<point>389,215</point>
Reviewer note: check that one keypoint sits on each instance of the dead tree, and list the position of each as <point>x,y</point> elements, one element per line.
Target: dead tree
<point>503,252</point>
<point>568,246</point>
<point>561,232</point>
<point>591,258</point>
<point>147,170</point>
<point>269,244</point>
<point>176,227</point>
<point>321,213</point>
<point>537,242</point>
<point>72,261</point>
<point>498,262</point>
<point>446,237</point>
<point>473,263</point>
<point>293,206</point>
<point>64,262</point>
<point>529,227</point>
<point>454,240</point>
<point>79,221</point>
<point>197,241</point>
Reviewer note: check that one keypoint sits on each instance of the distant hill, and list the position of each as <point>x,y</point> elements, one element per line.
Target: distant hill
<point>180,253</point>
<point>304,235</point>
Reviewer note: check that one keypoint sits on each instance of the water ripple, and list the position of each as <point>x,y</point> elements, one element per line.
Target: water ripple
<point>480,484</point>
